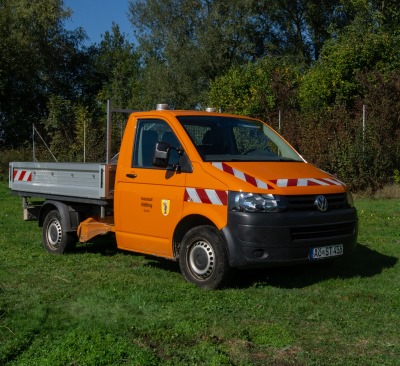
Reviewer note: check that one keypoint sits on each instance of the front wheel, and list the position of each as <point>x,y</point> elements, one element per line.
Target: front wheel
<point>203,259</point>
<point>55,239</point>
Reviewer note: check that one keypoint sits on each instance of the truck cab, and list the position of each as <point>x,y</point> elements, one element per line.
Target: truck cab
<point>218,191</point>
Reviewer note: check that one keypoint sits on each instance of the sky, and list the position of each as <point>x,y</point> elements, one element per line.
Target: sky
<point>96,17</point>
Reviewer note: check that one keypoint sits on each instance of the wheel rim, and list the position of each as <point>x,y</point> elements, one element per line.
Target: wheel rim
<point>201,259</point>
<point>54,234</point>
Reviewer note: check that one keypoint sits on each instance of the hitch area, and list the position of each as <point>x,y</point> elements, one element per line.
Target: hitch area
<point>94,226</point>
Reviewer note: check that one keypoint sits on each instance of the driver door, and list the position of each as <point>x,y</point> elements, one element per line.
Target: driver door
<point>151,198</point>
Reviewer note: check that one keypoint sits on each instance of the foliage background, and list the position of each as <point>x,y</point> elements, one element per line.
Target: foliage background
<point>312,65</point>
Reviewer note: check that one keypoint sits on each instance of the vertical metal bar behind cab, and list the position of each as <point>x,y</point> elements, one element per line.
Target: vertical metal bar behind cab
<point>109,111</point>
<point>108,131</point>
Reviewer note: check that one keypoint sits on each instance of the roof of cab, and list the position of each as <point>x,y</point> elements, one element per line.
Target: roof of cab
<point>181,112</point>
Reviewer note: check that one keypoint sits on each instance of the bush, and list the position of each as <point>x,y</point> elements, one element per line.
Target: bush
<point>334,141</point>
<point>6,156</point>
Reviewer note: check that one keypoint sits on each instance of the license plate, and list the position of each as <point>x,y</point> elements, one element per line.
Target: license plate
<point>326,252</point>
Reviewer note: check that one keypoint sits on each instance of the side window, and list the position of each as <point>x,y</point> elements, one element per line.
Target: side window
<point>148,133</point>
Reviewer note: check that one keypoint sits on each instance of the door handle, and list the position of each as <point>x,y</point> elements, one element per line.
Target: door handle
<point>130,175</point>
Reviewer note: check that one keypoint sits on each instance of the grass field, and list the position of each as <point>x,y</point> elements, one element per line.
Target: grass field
<point>100,306</point>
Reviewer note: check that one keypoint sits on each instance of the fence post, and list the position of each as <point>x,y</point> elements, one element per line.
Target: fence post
<point>33,143</point>
<point>108,151</point>
<point>279,120</point>
<point>364,123</point>
<point>84,140</point>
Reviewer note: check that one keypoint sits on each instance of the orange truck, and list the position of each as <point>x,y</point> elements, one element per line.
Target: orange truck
<point>213,191</point>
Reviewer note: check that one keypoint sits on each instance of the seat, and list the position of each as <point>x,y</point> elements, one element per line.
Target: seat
<point>148,142</point>
<point>213,141</point>
<point>171,139</point>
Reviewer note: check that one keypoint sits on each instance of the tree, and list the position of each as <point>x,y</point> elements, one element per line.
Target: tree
<point>117,67</point>
<point>118,72</point>
<point>361,47</point>
<point>186,44</point>
<point>257,89</point>
<point>38,58</point>
<point>303,25</point>
<point>72,131</point>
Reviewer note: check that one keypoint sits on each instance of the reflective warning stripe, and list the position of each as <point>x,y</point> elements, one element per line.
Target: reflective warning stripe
<point>241,175</point>
<point>22,175</point>
<point>287,182</point>
<point>209,196</point>
<point>306,182</point>
<point>336,182</point>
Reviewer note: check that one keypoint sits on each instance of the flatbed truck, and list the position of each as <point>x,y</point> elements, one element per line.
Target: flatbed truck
<point>213,191</point>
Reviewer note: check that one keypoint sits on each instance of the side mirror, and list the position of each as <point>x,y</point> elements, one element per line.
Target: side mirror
<point>161,154</point>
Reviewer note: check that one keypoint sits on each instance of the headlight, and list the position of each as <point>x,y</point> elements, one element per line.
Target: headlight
<point>255,202</point>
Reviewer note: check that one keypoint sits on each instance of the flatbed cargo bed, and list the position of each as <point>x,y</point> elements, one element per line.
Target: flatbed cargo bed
<point>90,182</point>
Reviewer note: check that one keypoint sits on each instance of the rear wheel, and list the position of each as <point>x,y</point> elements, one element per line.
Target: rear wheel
<point>55,239</point>
<point>203,258</point>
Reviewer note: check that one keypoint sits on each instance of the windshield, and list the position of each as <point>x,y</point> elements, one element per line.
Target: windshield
<point>236,139</point>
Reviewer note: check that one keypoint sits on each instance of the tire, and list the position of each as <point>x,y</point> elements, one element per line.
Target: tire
<point>203,258</point>
<point>55,239</point>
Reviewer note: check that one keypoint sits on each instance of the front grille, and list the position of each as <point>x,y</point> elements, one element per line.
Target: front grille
<point>322,231</point>
<point>306,203</point>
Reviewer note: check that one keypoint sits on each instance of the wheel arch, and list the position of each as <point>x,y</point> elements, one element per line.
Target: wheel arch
<point>69,217</point>
<point>184,226</point>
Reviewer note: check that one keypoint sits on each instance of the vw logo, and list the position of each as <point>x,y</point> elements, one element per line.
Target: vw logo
<point>321,202</point>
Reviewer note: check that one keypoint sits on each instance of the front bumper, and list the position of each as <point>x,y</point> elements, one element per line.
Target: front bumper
<point>270,239</point>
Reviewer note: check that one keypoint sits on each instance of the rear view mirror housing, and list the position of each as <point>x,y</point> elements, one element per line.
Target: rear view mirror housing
<point>161,158</point>
<point>161,154</point>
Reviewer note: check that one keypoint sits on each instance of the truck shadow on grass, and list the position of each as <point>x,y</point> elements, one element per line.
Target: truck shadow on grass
<point>364,262</point>
<point>105,245</point>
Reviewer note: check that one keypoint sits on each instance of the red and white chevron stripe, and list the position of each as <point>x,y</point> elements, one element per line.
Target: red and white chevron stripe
<point>306,182</point>
<point>241,175</point>
<point>300,182</point>
<point>22,175</point>
<point>209,196</point>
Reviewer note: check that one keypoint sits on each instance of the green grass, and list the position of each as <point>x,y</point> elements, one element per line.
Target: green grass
<point>101,306</point>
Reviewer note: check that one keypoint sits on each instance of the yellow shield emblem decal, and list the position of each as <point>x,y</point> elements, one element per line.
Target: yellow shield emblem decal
<point>165,204</point>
